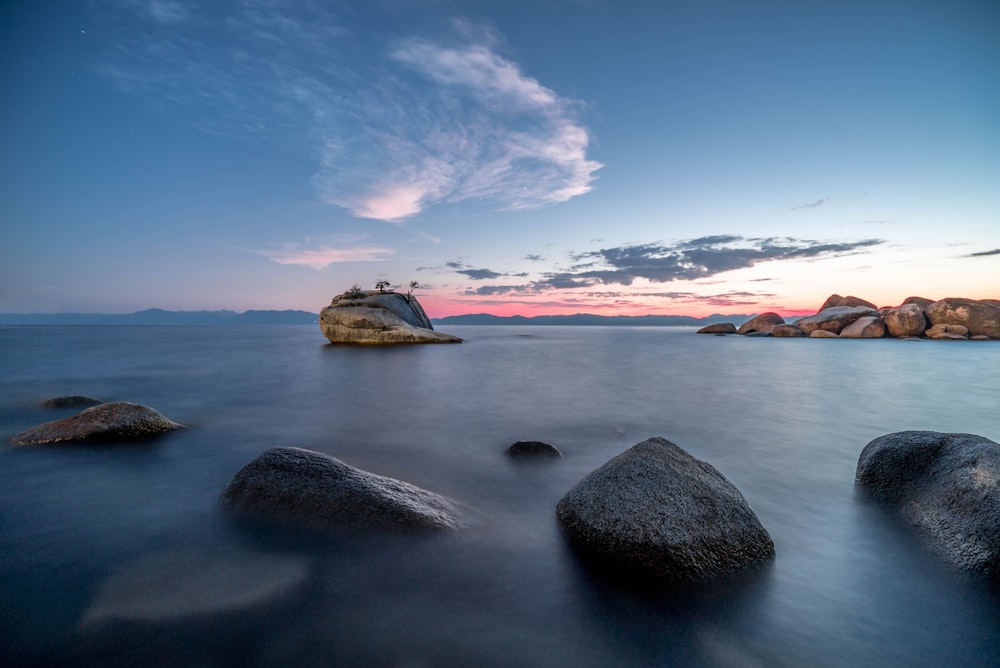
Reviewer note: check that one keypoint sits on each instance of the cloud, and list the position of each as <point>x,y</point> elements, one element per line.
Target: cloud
<point>684,260</point>
<point>479,274</point>
<point>995,251</point>
<point>812,205</point>
<point>323,256</point>
<point>533,257</point>
<point>395,126</point>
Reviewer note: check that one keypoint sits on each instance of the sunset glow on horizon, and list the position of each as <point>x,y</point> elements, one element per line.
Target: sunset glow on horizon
<point>674,158</point>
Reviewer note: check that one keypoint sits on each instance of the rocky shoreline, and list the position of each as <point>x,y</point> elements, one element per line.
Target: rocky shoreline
<point>952,318</point>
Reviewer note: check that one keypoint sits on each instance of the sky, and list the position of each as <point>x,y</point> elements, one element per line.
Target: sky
<point>545,157</point>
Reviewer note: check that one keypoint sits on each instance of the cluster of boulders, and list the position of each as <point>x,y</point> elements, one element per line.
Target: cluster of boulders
<point>652,511</point>
<point>855,318</point>
<point>378,318</point>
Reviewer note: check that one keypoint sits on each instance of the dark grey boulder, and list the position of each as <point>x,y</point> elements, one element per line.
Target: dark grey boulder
<point>114,421</point>
<point>657,511</point>
<point>70,401</point>
<point>317,490</point>
<point>946,487</point>
<point>533,449</point>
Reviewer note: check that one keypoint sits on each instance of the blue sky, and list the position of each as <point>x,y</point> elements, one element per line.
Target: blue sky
<point>556,156</point>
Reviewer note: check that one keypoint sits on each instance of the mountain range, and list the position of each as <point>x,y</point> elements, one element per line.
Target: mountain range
<point>160,317</point>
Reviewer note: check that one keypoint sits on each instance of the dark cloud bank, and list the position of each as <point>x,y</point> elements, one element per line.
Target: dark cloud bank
<point>686,260</point>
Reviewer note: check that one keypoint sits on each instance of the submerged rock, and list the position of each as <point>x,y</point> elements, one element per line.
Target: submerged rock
<point>657,511</point>
<point>533,449</point>
<point>114,421</point>
<point>315,489</point>
<point>718,328</point>
<point>176,585</point>
<point>70,401</point>
<point>376,318</point>
<point>946,487</point>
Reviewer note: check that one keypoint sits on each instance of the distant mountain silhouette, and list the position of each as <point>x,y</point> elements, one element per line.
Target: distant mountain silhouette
<point>589,319</point>
<point>155,316</point>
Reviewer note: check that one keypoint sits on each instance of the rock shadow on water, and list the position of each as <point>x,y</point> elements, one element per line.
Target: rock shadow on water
<point>659,621</point>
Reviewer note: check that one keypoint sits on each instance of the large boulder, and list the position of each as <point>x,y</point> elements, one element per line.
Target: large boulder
<point>946,487</point>
<point>378,318</point>
<point>922,302</point>
<point>865,327</point>
<point>943,331</point>
<point>833,319</point>
<point>317,490</point>
<point>905,320</point>
<point>718,328</point>
<point>850,300</point>
<point>655,510</point>
<point>979,316</point>
<point>533,449</point>
<point>764,322</point>
<point>113,421</point>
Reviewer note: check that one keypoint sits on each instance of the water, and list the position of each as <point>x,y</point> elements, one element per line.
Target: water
<point>105,532</point>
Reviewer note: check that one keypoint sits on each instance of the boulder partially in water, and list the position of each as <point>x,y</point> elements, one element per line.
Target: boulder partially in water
<point>657,511</point>
<point>833,319</point>
<point>906,320</point>
<point>533,449</point>
<point>113,421</point>
<point>377,319</point>
<point>979,317</point>
<point>718,328</point>
<point>764,323</point>
<point>316,490</point>
<point>946,487</point>
<point>865,327</point>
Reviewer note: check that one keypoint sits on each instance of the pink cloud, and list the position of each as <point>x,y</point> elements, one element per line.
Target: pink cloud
<point>324,256</point>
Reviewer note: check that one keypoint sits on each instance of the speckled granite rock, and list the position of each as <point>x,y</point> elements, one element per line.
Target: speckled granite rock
<point>317,490</point>
<point>658,511</point>
<point>379,319</point>
<point>113,421</point>
<point>946,487</point>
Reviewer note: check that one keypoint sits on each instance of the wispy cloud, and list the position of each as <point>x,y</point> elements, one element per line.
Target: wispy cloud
<point>684,260</point>
<point>321,257</point>
<point>812,205</point>
<point>395,126</point>
<point>995,251</point>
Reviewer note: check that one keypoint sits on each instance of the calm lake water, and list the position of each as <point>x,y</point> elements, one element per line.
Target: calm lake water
<point>120,555</point>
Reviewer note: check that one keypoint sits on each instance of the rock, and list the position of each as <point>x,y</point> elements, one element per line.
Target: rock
<point>833,319</point>
<point>865,327</point>
<point>718,328</point>
<point>787,331</point>
<point>947,332</point>
<point>836,300</point>
<point>823,334</point>
<point>176,585</point>
<point>946,487</point>
<point>905,320</point>
<point>657,511</point>
<point>979,337</point>
<point>318,490</point>
<point>922,302</point>
<point>114,421</point>
<point>759,334</point>
<point>764,322</point>
<point>69,402</point>
<point>533,449</point>
<point>980,317</point>
<point>376,318</point>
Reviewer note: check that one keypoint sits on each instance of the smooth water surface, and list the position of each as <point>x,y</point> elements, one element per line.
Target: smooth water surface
<point>120,555</point>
